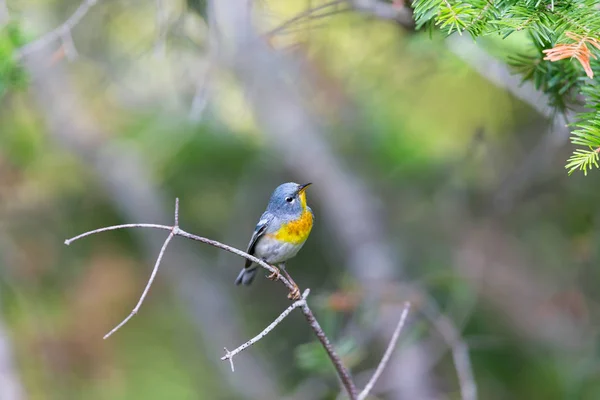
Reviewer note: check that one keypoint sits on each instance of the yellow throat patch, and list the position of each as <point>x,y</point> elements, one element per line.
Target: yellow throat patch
<point>296,231</point>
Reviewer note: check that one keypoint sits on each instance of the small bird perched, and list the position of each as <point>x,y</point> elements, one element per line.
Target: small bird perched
<point>280,233</point>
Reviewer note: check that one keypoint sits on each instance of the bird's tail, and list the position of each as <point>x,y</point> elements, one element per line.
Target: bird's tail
<point>246,276</point>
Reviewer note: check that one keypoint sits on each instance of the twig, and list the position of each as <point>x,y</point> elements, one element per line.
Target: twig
<point>177,212</point>
<point>147,288</point>
<point>4,14</point>
<point>60,32</point>
<point>233,250</point>
<point>161,27</point>
<point>343,373</point>
<point>229,354</point>
<point>115,227</point>
<point>388,353</point>
<point>69,45</point>
<point>152,276</point>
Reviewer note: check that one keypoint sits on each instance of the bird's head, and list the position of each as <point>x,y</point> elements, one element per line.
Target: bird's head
<point>288,199</point>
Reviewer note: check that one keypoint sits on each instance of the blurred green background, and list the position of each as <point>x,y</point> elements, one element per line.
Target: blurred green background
<point>463,208</point>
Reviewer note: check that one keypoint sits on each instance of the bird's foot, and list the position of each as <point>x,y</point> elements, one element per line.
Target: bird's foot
<point>294,294</point>
<point>275,275</point>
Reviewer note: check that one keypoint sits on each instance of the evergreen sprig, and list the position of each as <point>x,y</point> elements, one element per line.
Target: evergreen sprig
<point>587,133</point>
<point>565,37</point>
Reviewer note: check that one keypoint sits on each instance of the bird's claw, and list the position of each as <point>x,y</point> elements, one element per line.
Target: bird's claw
<point>275,275</point>
<point>294,294</point>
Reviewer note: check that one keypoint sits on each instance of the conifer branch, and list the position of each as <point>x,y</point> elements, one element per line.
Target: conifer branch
<point>558,31</point>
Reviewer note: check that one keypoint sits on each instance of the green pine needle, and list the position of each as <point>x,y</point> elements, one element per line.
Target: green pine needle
<point>582,160</point>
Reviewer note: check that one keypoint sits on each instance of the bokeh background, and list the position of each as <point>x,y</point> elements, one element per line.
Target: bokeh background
<point>437,179</point>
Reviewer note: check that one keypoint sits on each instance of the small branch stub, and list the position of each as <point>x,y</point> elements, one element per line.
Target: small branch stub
<point>228,356</point>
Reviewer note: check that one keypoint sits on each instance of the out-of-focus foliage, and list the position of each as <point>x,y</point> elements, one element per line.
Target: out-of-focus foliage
<point>12,74</point>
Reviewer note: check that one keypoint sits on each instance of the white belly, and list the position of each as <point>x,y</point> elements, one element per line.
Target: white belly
<point>274,251</point>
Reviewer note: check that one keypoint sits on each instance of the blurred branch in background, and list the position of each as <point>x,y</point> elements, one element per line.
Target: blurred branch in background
<point>396,11</point>
<point>535,166</point>
<point>10,384</point>
<point>11,387</point>
<point>62,33</point>
<point>310,14</point>
<point>458,347</point>
<point>162,20</point>
<point>373,8</point>
<point>493,261</point>
<point>201,96</point>
<point>4,14</point>
<point>498,73</point>
<point>386,356</point>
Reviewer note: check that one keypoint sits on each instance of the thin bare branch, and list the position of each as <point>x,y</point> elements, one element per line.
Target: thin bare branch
<point>115,227</point>
<point>238,252</point>
<point>4,14</point>
<point>147,288</point>
<point>69,46</point>
<point>229,354</point>
<point>388,353</point>
<point>60,32</point>
<point>153,275</point>
<point>161,28</point>
<point>11,387</point>
<point>342,372</point>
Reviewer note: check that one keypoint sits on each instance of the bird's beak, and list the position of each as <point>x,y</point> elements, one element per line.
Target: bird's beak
<point>302,188</point>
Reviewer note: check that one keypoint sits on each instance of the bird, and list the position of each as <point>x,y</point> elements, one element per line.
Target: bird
<point>280,233</point>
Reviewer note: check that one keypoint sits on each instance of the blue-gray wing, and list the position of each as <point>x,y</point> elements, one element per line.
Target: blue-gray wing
<point>260,230</point>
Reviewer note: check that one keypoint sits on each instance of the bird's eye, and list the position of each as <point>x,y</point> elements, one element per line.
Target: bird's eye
<point>289,199</point>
